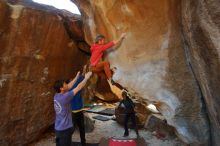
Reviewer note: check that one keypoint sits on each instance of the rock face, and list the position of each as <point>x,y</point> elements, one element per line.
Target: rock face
<point>170,56</point>
<point>152,61</point>
<point>159,127</point>
<point>201,27</point>
<point>35,51</point>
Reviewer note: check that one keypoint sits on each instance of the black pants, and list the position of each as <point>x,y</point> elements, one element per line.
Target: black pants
<point>126,120</point>
<point>64,137</point>
<point>78,120</point>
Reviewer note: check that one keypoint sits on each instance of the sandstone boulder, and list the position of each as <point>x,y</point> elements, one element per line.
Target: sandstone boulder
<point>35,51</point>
<point>151,61</point>
<point>201,30</point>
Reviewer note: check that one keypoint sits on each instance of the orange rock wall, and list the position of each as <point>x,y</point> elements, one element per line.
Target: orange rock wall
<point>35,50</point>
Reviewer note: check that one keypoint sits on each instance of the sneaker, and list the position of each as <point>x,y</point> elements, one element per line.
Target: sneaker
<point>138,136</point>
<point>125,135</point>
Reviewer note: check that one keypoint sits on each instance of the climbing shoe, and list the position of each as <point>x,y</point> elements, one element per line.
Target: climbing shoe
<point>113,82</point>
<point>125,135</point>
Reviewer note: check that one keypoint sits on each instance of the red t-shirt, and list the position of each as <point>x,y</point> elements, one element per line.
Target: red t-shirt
<point>97,52</point>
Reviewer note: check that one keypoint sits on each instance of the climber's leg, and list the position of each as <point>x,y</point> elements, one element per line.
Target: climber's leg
<point>102,66</point>
<point>126,119</point>
<point>134,124</point>
<point>102,74</point>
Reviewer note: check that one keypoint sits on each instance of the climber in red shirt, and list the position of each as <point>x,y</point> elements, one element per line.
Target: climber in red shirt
<point>97,50</point>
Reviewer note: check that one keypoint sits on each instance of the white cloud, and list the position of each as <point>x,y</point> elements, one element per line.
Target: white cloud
<point>61,4</point>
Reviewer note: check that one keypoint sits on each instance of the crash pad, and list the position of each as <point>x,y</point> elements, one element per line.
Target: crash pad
<point>122,141</point>
<point>101,118</point>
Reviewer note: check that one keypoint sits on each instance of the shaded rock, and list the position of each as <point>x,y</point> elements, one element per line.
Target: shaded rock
<point>103,90</point>
<point>99,87</point>
<point>34,52</point>
<point>89,123</point>
<point>83,46</point>
<point>159,127</point>
<point>201,30</point>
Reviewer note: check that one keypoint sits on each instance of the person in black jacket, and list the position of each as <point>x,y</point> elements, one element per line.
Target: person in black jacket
<point>129,113</point>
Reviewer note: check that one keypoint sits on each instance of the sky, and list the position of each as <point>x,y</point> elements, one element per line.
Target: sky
<point>61,4</point>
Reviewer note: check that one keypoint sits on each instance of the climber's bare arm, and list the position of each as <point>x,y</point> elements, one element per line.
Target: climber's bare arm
<point>71,83</point>
<point>82,84</point>
<point>119,39</point>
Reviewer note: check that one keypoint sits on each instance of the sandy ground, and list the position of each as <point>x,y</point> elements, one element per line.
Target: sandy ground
<point>111,129</point>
